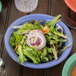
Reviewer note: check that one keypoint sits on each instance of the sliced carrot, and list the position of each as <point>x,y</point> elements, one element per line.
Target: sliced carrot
<point>17,46</point>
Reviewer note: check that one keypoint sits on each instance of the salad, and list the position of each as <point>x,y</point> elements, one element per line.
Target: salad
<point>38,43</point>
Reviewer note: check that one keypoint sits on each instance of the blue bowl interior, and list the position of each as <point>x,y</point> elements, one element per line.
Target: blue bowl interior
<point>44,18</point>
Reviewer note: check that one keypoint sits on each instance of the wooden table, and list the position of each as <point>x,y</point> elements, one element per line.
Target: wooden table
<point>10,14</point>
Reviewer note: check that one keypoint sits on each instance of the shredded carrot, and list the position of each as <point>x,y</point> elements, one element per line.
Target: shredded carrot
<point>47,26</point>
<point>17,46</point>
<point>46,30</point>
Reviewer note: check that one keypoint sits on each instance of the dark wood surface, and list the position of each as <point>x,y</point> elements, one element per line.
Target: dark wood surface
<point>10,14</point>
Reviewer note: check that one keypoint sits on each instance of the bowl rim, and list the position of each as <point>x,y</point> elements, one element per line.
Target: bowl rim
<point>68,64</point>
<point>41,65</point>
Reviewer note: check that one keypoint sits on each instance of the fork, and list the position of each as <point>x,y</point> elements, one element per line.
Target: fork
<point>68,21</point>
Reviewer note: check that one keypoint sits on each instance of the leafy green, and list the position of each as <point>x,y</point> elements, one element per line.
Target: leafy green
<point>30,26</point>
<point>32,54</point>
<point>55,53</point>
<point>54,42</point>
<point>12,41</point>
<point>15,39</point>
<point>23,40</point>
<point>37,25</point>
<point>50,57</point>
<point>49,50</point>
<point>58,33</point>
<point>21,57</point>
<point>53,22</point>
<point>43,55</point>
<point>65,48</point>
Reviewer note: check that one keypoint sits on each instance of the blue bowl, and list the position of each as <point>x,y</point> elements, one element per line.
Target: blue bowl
<point>44,18</point>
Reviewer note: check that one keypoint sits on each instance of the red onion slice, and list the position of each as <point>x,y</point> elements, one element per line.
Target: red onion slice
<point>41,39</point>
<point>37,42</point>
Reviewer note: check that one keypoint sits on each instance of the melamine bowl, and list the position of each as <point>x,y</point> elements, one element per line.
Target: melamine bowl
<point>44,18</point>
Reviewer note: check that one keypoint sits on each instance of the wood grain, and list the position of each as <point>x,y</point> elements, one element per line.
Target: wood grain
<point>2,24</point>
<point>10,14</point>
<point>73,15</point>
<point>58,7</point>
<point>13,68</point>
<point>74,41</point>
<point>42,7</point>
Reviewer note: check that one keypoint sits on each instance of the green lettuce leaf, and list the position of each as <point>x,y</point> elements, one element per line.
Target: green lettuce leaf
<point>21,57</point>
